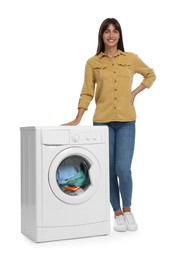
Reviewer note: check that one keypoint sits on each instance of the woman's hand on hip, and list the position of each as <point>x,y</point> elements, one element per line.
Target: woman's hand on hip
<point>133,95</point>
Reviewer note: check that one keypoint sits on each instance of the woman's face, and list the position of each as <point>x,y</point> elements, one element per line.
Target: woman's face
<point>111,36</point>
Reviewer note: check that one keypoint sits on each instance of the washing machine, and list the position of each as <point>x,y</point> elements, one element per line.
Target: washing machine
<point>64,182</point>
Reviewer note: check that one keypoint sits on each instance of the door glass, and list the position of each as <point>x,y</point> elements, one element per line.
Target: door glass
<point>72,175</point>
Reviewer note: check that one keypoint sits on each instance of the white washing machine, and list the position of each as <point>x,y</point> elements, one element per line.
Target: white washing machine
<point>64,182</point>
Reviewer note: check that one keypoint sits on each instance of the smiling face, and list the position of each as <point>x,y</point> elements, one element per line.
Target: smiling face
<point>111,37</point>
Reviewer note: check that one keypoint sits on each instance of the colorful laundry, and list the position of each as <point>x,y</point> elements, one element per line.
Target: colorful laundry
<point>65,173</point>
<point>72,178</point>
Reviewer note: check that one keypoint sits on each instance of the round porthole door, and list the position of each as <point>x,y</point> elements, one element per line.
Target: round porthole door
<point>74,175</point>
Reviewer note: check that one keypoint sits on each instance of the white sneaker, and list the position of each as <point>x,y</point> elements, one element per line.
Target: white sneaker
<point>130,221</point>
<point>120,224</point>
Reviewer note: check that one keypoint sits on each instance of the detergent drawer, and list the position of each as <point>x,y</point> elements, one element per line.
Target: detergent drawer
<point>55,137</point>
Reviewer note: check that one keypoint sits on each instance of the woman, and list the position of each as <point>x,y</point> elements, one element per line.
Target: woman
<point>108,76</point>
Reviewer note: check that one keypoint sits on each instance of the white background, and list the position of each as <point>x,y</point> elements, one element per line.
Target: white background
<point>43,49</point>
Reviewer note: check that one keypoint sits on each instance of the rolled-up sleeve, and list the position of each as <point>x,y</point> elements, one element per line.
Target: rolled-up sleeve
<point>147,72</point>
<point>88,88</point>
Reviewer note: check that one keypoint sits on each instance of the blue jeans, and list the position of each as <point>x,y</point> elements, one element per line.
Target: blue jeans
<point>121,148</point>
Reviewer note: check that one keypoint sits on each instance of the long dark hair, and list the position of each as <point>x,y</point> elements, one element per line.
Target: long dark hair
<point>103,27</point>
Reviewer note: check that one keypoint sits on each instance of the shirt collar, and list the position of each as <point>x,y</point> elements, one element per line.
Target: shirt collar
<point>102,54</point>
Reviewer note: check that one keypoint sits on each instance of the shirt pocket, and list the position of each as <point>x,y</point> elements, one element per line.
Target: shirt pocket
<point>101,73</point>
<point>125,70</point>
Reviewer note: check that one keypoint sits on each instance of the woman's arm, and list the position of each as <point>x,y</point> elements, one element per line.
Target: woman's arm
<point>86,95</point>
<point>78,118</point>
<point>137,91</point>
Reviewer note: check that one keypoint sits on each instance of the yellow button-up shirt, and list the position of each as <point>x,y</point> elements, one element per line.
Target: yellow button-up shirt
<point>110,80</point>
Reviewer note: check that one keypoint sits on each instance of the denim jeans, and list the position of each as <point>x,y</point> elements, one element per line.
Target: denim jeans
<point>121,148</point>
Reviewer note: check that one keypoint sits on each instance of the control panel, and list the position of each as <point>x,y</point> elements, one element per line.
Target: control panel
<point>89,136</point>
<point>73,135</point>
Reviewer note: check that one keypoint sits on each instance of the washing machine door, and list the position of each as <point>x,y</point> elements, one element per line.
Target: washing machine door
<point>74,175</point>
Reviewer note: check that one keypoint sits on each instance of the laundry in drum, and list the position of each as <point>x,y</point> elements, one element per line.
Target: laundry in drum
<point>73,177</point>
<point>65,173</point>
<point>71,188</point>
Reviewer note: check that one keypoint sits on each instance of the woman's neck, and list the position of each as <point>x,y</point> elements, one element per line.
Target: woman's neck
<point>111,52</point>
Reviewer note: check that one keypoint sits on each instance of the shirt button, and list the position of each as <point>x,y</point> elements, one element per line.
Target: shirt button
<point>114,71</point>
<point>114,107</point>
<point>115,89</point>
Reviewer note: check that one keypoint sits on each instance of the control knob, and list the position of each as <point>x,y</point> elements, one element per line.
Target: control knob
<point>75,138</point>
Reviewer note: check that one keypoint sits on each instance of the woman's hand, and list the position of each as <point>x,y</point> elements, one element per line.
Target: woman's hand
<point>78,118</point>
<point>75,122</point>
<point>137,91</point>
<point>133,95</point>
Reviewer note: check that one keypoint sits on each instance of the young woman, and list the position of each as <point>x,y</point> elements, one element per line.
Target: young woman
<point>108,76</point>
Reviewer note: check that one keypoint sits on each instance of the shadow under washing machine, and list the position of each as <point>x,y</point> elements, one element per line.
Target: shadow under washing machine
<point>64,182</point>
